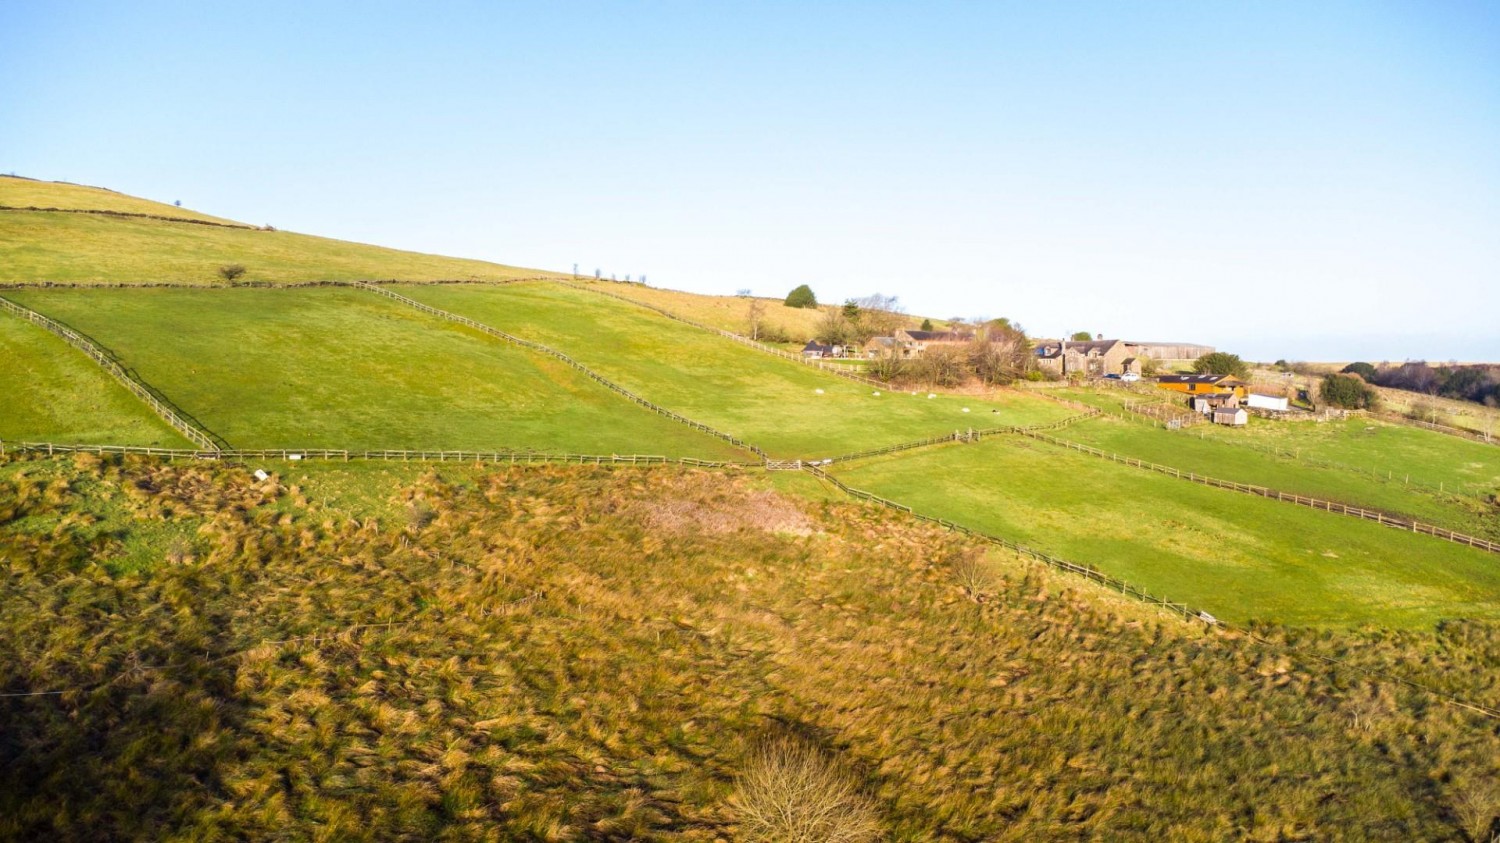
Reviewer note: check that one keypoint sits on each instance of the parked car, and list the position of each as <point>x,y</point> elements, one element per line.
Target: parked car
<point>1112,377</point>
<point>1130,377</point>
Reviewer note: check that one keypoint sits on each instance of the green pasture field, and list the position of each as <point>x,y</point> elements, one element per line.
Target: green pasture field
<point>1210,456</point>
<point>29,193</point>
<point>1426,458</point>
<point>1236,556</point>
<point>344,368</point>
<point>760,398</point>
<point>50,392</point>
<point>40,246</point>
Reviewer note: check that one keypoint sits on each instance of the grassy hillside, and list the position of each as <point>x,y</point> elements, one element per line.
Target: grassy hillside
<point>1222,458</point>
<point>1239,557</point>
<point>30,193</point>
<point>62,247</point>
<point>772,402</point>
<point>727,313</point>
<point>568,654</point>
<point>343,368</point>
<point>52,393</point>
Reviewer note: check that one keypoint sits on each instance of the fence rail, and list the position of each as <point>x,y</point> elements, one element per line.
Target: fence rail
<point>970,435</point>
<point>1273,494</point>
<point>742,340</point>
<point>138,387</point>
<point>1472,435</point>
<point>538,347</point>
<point>387,455</point>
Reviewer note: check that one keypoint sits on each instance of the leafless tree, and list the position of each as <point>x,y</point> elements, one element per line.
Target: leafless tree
<point>791,791</point>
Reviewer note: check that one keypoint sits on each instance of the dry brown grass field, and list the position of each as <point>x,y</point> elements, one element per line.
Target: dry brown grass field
<point>571,654</point>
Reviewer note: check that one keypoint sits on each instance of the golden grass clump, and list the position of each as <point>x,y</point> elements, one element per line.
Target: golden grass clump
<point>792,791</point>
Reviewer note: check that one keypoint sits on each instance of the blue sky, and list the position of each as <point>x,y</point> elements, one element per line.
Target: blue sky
<point>1308,181</point>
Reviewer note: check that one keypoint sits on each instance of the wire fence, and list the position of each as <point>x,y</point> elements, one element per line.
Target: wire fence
<point>538,347</point>
<point>1377,516</point>
<point>159,405</point>
<point>498,457</point>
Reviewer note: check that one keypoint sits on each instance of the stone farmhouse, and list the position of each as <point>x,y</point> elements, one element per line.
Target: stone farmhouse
<point>907,344</point>
<point>1099,357</point>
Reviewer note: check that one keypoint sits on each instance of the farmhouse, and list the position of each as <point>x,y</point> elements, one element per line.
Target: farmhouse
<point>1094,358</point>
<point>913,343</point>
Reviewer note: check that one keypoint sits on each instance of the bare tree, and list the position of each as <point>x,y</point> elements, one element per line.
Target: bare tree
<point>231,272</point>
<point>755,314</point>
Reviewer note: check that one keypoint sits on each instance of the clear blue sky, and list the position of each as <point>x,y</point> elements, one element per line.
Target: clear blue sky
<point>1281,179</point>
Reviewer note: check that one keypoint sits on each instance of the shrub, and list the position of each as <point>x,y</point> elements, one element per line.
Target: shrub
<point>231,272</point>
<point>1364,370</point>
<point>1221,363</point>
<point>801,297</point>
<point>793,792</point>
<point>1347,391</point>
<point>774,333</point>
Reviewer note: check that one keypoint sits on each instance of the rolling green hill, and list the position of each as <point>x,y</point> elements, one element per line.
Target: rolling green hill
<point>391,650</point>
<point>331,367</point>
<point>39,246</point>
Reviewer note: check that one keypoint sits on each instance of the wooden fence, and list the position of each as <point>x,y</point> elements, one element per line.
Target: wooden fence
<point>538,347</point>
<point>130,381</point>
<point>1272,494</point>
<point>1086,571</point>
<point>1182,609</point>
<point>389,455</point>
<point>970,435</point>
<point>835,369</point>
<point>1473,435</point>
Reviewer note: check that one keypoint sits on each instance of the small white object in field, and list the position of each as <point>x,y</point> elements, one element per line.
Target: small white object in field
<point>966,409</point>
<point>818,391</point>
<point>931,395</point>
<point>876,393</point>
<point>260,474</point>
<point>828,462</point>
<point>294,456</point>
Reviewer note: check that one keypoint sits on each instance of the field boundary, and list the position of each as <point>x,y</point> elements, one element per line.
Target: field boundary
<point>266,285</point>
<point>1471,435</point>
<point>1115,584</point>
<point>134,214</point>
<point>739,338</point>
<point>153,399</point>
<point>552,352</point>
<point>970,435</point>
<point>388,455</point>
<point>1273,494</point>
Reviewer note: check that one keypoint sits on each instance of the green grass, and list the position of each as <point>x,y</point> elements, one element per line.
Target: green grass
<point>760,398</point>
<point>1217,456</point>
<point>1239,557</point>
<point>53,393</point>
<point>343,368</point>
<point>27,193</point>
<point>38,246</point>
<point>1423,457</point>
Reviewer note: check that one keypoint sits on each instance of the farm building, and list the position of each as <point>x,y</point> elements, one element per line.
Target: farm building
<point>1267,401</point>
<point>817,349</point>
<point>1195,385</point>
<point>1233,416</point>
<point>1206,404</point>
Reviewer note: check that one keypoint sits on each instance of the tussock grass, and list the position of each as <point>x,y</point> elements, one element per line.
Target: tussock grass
<point>556,668</point>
